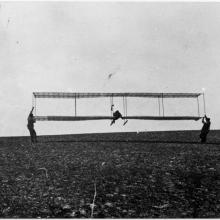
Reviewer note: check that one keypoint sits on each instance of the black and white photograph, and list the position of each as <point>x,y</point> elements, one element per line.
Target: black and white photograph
<point>109,109</point>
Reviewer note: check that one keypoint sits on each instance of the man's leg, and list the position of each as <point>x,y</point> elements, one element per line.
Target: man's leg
<point>203,138</point>
<point>30,130</point>
<point>113,121</point>
<point>34,136</point>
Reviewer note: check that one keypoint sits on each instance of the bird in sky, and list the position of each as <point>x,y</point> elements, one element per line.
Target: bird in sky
<point>110,75</point>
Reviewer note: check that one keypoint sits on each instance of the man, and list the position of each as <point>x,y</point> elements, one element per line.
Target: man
<point>116,116</point>
<point>30,126</point>
<point>205,128</point>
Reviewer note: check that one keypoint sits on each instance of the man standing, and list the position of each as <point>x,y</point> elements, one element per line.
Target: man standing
<point>205,128</point>
<point>30,126</point>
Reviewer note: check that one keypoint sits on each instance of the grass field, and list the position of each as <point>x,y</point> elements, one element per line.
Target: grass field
<point>134,175</point>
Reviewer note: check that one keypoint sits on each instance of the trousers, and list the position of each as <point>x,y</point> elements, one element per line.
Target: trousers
<point>32,133</point>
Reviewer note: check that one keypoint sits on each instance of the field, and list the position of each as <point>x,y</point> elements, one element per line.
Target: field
<point>120,175</point>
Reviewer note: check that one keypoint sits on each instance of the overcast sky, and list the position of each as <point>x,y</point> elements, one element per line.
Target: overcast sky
<point>74,46</point>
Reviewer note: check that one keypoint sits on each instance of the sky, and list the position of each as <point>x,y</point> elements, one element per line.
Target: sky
<point>75,46</point>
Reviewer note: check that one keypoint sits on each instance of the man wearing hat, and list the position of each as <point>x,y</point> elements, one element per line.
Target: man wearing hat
<point>30,126</point>
<point>205,128</point>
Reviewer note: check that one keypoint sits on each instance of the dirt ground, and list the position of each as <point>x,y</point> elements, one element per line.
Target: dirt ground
<point>119,175</point>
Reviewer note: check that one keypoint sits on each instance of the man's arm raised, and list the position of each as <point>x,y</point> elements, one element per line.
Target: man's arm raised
<point>31,112</point>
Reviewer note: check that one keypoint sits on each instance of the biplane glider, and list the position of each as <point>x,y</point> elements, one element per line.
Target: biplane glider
<point>75,96</point>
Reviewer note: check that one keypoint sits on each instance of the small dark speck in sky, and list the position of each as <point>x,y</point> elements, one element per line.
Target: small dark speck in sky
<point>8,22</point>
<point>186,46</point>
<point>110,75</point>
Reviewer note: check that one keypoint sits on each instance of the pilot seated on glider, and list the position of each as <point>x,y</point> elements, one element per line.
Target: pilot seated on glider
<point>30,126</point>
<point>116,116</point>
<point>205,128</point>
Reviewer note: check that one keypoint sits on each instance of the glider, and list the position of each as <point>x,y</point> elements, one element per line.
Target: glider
<point>76,96</point>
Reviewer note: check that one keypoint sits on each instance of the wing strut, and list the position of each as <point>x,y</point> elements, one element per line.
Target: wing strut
<point>75,104</point>
<point>125,108</point>
<point>198,106</point>
<point>203,94</point>
<point>162,104</point>
<point>159,104</point>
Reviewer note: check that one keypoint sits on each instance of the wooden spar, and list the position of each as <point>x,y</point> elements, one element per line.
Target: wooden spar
<point>96,95</point>
<point>82,118</point>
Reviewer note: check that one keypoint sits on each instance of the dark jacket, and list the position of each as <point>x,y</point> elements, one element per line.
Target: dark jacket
<point>206,126</point>
<point>31,121</point>
<point>117,114</point>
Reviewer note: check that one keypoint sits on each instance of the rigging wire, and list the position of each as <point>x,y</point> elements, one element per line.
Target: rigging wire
<point>111,104</point>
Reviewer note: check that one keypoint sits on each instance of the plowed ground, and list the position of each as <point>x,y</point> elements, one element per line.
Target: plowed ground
<point>135,175</point>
